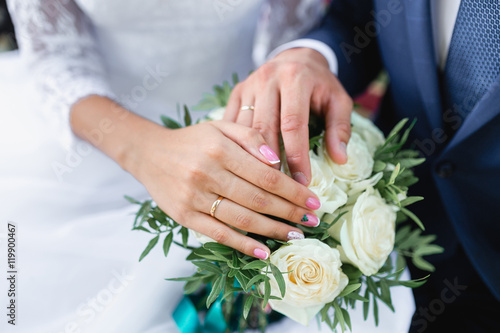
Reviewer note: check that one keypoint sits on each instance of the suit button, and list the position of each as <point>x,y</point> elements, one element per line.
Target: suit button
<point>445,169</point>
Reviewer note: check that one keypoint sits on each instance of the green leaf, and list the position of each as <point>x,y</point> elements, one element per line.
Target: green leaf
<point>187,116</point>
<point>347,318</point>
<point>394,174</point>
<point>428,250</point>
<point>340,316</point>
<point>152,224</point>
<point>279,279</point>
<point>366,305</point>
<point>423,264</point>
<point>192,286</point>
<point>385,294</point>
<point>167,242</point>
<point>243,280</point>
<point>170,123</point>
<point>216,247</point>
<point>236,80</point>
<point>410,283</point>
<point>255,280</point>
<point>410,200</point>
<point>267,292</point>
<point>208,266</point>
<point>185,236</point>
<point>411,162</point>
<point>379,166</point>
<point>256,264</point>
<point>150,246</point>
<point>140,227</point>
<point>413,217</point>
<point>375,310</point>
<point>247,306</point>
<point>131,200</point>
<point>357,297</point>
<point>349,289</point>
<point>217,287</point>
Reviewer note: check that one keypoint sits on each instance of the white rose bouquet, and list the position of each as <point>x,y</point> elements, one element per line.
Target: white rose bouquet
<point>364,218</point>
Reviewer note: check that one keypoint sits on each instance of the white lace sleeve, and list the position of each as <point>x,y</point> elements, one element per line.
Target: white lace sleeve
<point>56,40</point>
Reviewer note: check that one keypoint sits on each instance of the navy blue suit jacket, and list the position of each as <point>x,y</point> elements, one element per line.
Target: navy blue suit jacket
<point>461,177</point>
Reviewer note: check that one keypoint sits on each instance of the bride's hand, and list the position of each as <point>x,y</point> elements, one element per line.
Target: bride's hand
<point>186,170</point>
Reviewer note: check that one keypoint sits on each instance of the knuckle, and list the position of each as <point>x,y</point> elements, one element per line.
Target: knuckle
<point>295,158</point>
<point>220,235</point>
<point>243,221</point>
<point>264,128</point>
<point>259,201</point>
<point>270,179</point>
<point>195,174</point>
<point>214,151</point>
<point>266,71</point>
<point>252,134</point>
<point>291,123</point>
<point>343,128</point>
<point>294,69</point>
<point>292,214</point>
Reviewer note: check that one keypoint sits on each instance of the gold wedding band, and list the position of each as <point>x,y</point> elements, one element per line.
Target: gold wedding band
<point>215,205</point>
<point>247,107</point>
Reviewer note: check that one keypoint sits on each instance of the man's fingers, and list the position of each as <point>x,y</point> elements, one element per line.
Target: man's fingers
<point>338,126</point>
<point>295,104</point>
<point>233,105</point>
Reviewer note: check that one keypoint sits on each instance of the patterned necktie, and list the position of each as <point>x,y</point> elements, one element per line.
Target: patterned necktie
<point>473,62</point>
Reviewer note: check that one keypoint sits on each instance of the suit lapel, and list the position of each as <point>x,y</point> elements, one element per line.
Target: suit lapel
<point>485,110</point>
<point>420,39</point>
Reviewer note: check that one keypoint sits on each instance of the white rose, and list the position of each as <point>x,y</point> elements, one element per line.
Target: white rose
<point>370,133</point>
<point>322,184</point>
<point>201,237</point>
<point>359,164</point>
<point>215,114</point>
<point>315,278</point>
<point>366,233</point>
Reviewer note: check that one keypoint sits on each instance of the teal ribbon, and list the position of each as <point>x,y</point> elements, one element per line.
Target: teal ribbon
<point>187,320</point>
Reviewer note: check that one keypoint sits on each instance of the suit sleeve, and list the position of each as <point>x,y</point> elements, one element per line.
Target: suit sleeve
<point>349,30</point>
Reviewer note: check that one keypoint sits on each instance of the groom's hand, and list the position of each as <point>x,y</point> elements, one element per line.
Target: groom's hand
<point>283,91</point>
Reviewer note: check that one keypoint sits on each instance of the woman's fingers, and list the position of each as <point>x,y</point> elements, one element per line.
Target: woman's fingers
<point>245,166</point>
<point>225,235</point>
<point>245,219</point>
<point>250,140</point>
<point>256,199</point>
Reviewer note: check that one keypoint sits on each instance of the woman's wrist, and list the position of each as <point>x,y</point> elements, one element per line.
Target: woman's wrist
<point>116,131</point>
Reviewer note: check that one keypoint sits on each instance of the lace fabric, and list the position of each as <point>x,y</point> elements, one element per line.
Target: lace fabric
<point>58,41</point>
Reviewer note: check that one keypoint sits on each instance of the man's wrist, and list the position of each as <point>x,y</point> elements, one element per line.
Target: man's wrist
<point>312,44</point>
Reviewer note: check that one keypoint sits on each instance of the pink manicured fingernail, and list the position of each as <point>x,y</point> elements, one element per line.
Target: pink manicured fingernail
<point>261,254</point>
<point>310,220</point>
<point>269,154</point>
<point>299,177</point>
<point>313,203</point>
<point>294,235</point>
<point>343,149</point>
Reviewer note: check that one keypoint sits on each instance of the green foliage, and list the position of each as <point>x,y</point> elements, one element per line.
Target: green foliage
<point>218,98</point>
<point>233,275</point>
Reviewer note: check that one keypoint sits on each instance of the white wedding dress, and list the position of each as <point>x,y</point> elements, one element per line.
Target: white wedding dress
<point>77,259</point>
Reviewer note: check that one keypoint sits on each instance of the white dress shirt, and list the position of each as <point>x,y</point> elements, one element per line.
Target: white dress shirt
<point>443,12</point>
